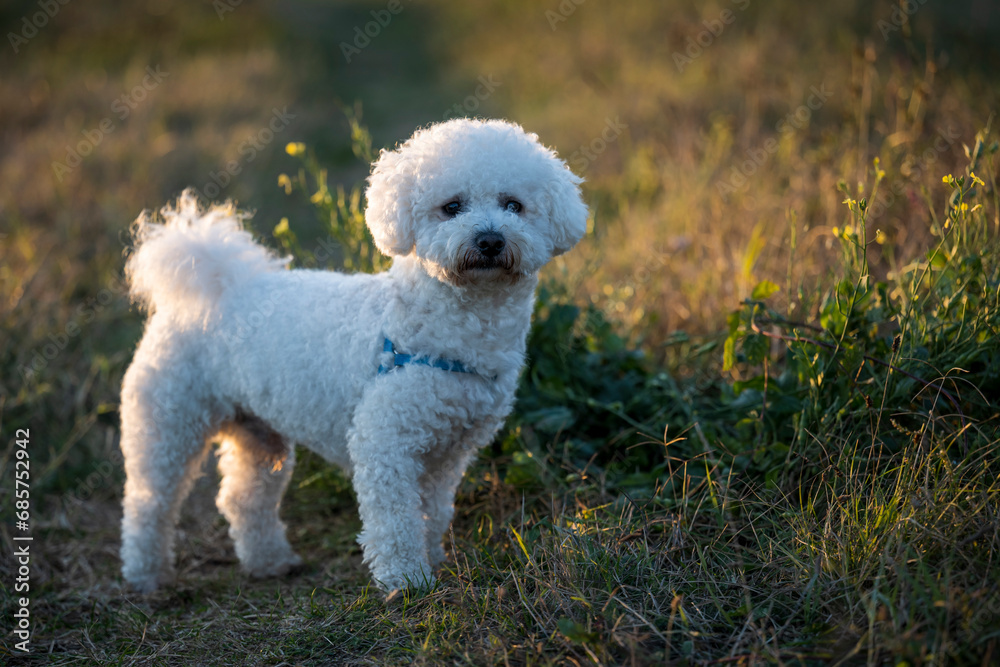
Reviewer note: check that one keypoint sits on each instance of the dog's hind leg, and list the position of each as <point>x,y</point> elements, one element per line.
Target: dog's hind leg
<point>256,466</point>
<point>164,446</point>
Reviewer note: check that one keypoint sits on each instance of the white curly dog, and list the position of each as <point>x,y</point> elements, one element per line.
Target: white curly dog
<point>398,377</point>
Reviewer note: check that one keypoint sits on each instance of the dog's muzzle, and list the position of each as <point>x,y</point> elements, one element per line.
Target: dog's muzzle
<point>489,249</point>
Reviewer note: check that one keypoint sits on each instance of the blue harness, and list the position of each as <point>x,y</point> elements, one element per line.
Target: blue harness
<point>400,359</point>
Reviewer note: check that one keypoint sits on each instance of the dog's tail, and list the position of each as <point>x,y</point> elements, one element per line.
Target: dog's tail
<point>185,264</point>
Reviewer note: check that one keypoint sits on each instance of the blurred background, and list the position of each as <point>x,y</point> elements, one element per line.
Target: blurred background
<point>712,136</point>
<point>719,141</point>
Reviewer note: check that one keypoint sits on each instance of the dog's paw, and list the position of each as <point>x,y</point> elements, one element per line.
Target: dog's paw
<point>144,586</point>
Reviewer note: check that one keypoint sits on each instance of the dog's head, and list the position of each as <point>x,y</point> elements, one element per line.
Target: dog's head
<point>475,201</point>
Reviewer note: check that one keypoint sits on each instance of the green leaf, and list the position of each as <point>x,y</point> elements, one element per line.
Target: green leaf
<point>938,259</point>
<point>756,347</point>
<point>551,419</point>
<point>763,290</point>
<point>733,322</point>
<point>575,631</point>
<point>729,353</point>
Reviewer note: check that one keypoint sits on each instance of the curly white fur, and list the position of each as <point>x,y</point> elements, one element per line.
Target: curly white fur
<point>240,350</point>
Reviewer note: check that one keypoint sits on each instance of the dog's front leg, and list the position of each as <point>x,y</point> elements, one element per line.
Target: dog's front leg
<point>386,478</point>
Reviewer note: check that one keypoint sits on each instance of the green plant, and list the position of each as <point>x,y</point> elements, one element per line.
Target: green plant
<point>340,211</point>
<point>922,342</point>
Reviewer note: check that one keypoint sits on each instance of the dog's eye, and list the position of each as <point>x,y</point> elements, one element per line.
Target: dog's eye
<point>452,208</point>
<point>512,206</point>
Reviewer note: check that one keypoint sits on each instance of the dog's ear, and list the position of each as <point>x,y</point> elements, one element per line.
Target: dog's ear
<point>389,210</point>
<point>567,212</point>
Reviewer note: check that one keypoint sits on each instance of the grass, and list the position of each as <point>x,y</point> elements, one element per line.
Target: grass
<point>759,421</point>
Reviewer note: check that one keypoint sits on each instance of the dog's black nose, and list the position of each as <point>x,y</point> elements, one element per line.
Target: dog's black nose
<point>490,243</point>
